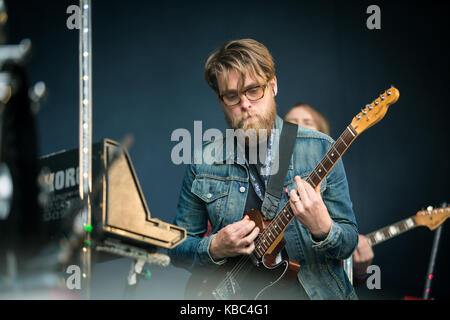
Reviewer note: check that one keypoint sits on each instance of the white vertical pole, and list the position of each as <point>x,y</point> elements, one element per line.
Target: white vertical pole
<point>85,139</point>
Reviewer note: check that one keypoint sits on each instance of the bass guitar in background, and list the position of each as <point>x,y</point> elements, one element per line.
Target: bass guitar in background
<point>431,218</point>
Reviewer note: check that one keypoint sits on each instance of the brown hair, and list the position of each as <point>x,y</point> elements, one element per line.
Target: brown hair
<point>240,55</point>
<point>319,119</point>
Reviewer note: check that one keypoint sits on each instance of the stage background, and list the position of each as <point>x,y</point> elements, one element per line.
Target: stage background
<point>148,60</point>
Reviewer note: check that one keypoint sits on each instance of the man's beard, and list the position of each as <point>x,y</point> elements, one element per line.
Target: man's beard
<point>258,123</point>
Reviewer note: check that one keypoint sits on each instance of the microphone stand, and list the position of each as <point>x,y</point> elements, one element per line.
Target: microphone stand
<point>437,237</point>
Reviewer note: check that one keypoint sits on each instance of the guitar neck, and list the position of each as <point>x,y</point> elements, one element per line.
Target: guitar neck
<point>391,231</point>
<point>331,157</point>
<point>281,221</point>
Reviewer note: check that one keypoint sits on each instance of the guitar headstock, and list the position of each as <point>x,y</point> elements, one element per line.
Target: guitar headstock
<point>432,218</point>
<point>375,111</point>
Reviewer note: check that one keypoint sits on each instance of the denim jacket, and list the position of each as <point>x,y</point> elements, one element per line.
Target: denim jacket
<point>217,191</point>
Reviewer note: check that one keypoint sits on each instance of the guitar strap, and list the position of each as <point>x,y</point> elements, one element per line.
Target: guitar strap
<point>274,188</point>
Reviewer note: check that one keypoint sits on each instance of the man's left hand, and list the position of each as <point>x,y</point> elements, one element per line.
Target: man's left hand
<point>309,208</point>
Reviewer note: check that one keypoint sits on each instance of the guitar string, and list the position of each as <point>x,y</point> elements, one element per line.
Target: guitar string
<point>238,267</point>
<point>235,270</point>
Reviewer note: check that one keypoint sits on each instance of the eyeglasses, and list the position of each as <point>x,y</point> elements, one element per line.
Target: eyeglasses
<point>252,94</point>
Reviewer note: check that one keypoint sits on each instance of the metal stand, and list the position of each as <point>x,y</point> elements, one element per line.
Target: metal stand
<point>437,236</point>
<point>139,258</point>
<point>134,276</point>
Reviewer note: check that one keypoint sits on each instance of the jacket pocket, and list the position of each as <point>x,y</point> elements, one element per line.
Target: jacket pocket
<point>213,192</point>
<point>210,189</point>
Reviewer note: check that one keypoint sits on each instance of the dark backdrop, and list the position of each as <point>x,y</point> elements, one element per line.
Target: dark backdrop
<point>147,80</point>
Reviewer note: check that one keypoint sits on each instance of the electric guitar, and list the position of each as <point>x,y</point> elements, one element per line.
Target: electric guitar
<point>431,218</point>
<point>251,276</point>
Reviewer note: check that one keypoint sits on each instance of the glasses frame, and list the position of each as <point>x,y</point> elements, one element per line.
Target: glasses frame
<point>240,94</point>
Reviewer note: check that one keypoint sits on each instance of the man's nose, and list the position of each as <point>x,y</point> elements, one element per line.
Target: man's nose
<point>245,103</point>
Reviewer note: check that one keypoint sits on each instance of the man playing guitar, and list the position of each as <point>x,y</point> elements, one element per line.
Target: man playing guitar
<point>324,231</point>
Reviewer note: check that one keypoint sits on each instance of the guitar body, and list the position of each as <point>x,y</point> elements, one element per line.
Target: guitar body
<point>243,277</point>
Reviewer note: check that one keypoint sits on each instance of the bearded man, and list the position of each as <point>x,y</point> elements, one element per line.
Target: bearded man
<point>220,192</point>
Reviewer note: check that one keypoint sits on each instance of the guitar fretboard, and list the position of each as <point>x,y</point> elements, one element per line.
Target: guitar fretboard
<point>282,219</point>
<point>391,231</point>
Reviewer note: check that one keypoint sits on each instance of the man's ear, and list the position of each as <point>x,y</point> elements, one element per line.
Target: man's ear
<point>273,84</point>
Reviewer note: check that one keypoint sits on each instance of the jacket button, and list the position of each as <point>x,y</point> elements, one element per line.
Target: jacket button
<point>209,195</point>
<point>242,189</point>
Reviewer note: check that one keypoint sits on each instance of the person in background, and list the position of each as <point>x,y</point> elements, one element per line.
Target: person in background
<point>305,115</point>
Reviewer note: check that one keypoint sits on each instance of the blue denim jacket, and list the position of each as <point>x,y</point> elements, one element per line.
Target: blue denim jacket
<point>217,191</point>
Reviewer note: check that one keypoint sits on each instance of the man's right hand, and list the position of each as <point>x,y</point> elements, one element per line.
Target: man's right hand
<point>234,239</point>
<point>362,256</point>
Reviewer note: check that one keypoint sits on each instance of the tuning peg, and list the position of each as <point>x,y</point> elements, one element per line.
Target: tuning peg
<point>369,106</point>
<point>363,111</point>
<point>37,94</point>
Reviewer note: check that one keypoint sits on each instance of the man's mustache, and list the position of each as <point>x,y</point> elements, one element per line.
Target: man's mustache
<point>245,116</point>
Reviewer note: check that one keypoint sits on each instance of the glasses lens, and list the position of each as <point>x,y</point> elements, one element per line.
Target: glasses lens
<point>255,93</point>
<point>231,99</point>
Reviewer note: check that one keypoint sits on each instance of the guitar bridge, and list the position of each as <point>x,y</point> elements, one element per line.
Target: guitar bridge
<point>227,289</point>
